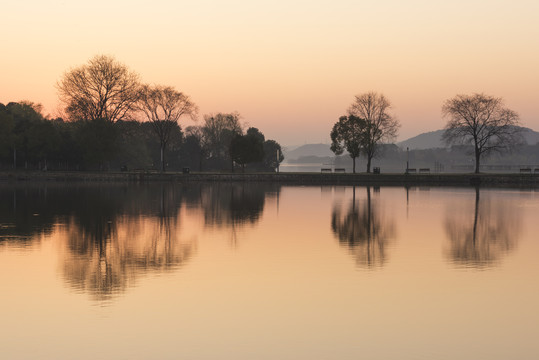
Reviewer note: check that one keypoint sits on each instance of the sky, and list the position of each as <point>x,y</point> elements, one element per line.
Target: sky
<point>289,67</point>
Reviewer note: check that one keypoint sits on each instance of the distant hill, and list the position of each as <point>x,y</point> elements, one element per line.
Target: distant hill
<point>321,150</point>
<point>426,140</point>
<point>423,141</point>
<point>433,139</point>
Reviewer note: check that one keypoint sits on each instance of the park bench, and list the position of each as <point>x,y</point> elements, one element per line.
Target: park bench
<point>145,171</point>
<point>325,170</point>
<point>424,170</point>
<point>340,170</point>
<point>526,170</point>
<point>411,171</point>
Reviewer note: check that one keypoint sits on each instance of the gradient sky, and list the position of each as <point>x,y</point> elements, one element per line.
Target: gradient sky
<point>289,67</point>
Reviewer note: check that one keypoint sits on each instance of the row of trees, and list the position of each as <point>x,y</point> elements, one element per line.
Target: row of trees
<point>29,140</point>
<point>108,115</point>
<point>221,143</point>
<point>479,120</point>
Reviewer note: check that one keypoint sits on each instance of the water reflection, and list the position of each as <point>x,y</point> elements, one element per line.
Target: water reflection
<point>227,204</point>
<point>106,261</point>
<point>26,212</point>
<point>364,229</point>
<point>480,236</point>
<point>110,235</point>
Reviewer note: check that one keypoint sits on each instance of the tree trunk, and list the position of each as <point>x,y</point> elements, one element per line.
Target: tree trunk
<point>477,159</point>
<point>354,165</point>
<point>369,158</point>
<point>162,158</point>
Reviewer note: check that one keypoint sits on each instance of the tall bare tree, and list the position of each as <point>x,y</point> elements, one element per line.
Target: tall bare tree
<point>219,130</point>
<point>482,121</point>
<point>378,125</point>
<point>163,107</point>
<point>102,89</point>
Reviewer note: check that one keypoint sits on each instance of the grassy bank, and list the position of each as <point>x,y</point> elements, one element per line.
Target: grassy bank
<point>517,180</point>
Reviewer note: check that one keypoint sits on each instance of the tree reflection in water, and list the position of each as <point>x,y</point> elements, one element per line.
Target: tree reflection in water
<point>480,239</point>
<point>111,244</point>
<point>364,230</point>
<point>111,235</point>
<point>226,204</point>
<point>232,206</point>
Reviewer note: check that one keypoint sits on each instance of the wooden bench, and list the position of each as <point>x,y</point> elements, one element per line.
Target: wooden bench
<point>340,170</point>
<point>146,171</point>
<point>325,170</point>
<point>424,170</point>
<point>526,170</point>
<point>411,171</point>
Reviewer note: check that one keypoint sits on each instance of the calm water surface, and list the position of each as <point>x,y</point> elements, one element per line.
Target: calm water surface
<point>259,271</point>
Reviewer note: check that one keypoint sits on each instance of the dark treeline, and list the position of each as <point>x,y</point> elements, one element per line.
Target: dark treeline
<point>28,140</point>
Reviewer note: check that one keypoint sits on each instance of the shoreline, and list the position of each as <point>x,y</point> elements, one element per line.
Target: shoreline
<point>438,179</point>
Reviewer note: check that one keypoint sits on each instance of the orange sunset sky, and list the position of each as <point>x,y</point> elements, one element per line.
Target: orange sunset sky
<point>289,67</point>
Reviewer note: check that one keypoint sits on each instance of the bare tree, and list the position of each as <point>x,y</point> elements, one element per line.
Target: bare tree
<point>163,106</point>
<point>219,130</point>
<point>482,121</point>
<point>102,89</point>
<point>378,124</point>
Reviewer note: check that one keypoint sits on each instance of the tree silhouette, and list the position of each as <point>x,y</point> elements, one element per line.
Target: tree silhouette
<point>347,135</point>
<point>378,124</point>
<point>218,131</point>
<point>163,107</point>
<point>248,148</point>
<point>102,89</point>
<point>482,121</point>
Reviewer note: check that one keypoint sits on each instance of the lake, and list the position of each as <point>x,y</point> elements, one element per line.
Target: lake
<point>264,271</point>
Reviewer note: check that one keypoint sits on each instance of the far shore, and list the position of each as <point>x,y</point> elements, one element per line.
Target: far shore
<point>528,180</point>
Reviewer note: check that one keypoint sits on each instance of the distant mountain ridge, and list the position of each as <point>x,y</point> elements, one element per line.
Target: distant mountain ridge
<point>428,140</point>
<point>321,150</point>
<point>433,139</point>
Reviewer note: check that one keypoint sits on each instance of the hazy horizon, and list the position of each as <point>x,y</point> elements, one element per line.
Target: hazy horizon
<point>289,68</point>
